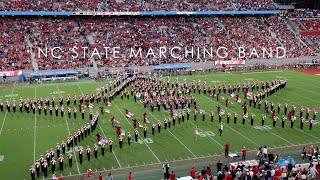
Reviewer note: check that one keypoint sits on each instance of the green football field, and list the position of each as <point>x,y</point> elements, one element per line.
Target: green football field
<point>24,137</point>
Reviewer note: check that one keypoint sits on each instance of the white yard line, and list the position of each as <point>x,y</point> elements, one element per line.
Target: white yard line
<point>112,150</point>
<point>80,88</point>
<point>5,115</point>
<point>170,132</point>
<point>35,129</point>
<point>231,127</point>
<point>139,134</point>
<point>104,135</point>
<point>75,157</point>
<point>208,136</point>
<point>261,72</point>
<point>253,123</point>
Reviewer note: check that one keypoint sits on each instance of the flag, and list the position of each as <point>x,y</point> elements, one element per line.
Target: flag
<point>109,104</point>
<point>130,114</point>
<point>107,111</point>
<point>103,141</point>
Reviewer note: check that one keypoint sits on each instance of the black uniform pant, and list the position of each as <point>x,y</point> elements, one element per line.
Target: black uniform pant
<point>120,144</point>
<point>110,148</point>
<point>61,166</point>
<point>102,151</point>
<point>70,162</point>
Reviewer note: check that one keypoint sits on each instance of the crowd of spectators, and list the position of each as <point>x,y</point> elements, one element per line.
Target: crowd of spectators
<point>265,167</point>
<point>311,24</point>
<point>18,34</point>
<point>138,5</point>
<point>14,49</point>
<point>293,43</point>
<point>302,13</point>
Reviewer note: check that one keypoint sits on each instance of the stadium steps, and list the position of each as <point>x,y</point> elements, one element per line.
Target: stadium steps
<point>34,62</point>
<point>297,34</point>
<point>302,25</point>
<point>91,41</point>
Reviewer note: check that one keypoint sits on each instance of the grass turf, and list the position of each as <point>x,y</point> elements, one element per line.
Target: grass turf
<point>24,137</point>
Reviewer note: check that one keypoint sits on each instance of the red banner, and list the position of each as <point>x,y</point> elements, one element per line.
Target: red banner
<point>310,33</point>
<point>217,63</point>
<point>10,73</point>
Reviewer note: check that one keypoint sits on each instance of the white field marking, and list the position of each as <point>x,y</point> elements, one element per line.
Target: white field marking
<point>276,94</point>
<point>65,117</point>
<point>296,95</point>
<point>5,115</point>
<point>139,134</point>
<point>174,159</point>
<point>234,129</point>
<point>261,72</point>
<point>202,131</point>
<point>112,150</point>
<point>308,85</point>
<point>104,134</point>
<point>35,129</point>
<point>208,136</point>
<point>80,88</point>
<point>216,155</point>
<point>254,123</point>
<point>307,133</point>
<point>243,135</point>
<point>1,158</point>
<point>171,133</point>
<point>249,79</point>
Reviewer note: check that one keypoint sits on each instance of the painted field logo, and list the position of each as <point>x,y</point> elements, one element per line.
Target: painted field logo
<point>263,128</point>
<point>206,134</point>
<point>11,95</point>
<point>316,122</point>
<point>249,79</point>
<point>146,140</point>
<point>1,158</point>
<point>58,92</point>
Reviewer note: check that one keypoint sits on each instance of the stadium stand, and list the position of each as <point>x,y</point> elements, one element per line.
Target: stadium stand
<point>139,5</point>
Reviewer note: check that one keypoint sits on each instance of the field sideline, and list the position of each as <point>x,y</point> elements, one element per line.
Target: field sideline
<point>24,137</point>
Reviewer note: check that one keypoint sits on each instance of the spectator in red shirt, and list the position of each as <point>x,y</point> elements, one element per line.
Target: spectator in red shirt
<point>100,177</point>
<point>255,170</point>
<point>193,173</point>
<point>244,153</point>
<point>229,176</point>
<point>200,177</point>
<point>172,176</point>
<point>89,173</point>
<point>130,176</point>
<point>226,149</point>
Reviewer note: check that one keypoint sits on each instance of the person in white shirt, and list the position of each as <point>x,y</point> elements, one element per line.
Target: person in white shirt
<point>221,129</point>
<point>265,151</point>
